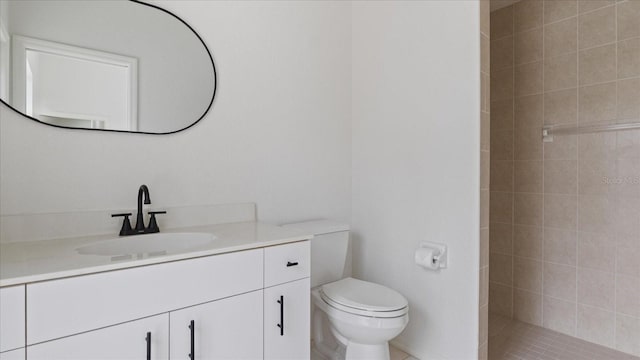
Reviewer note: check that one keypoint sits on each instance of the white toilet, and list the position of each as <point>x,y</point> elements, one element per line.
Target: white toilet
<point>351,319</point>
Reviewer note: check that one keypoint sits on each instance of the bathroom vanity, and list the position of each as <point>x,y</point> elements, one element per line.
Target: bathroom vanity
<point>243,295</point>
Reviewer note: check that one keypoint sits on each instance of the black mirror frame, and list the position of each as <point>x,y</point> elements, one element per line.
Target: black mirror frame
<point>213,96</point>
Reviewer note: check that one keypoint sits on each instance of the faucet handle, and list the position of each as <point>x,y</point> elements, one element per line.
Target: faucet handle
<point>153,224</point>
<point>126,224</point>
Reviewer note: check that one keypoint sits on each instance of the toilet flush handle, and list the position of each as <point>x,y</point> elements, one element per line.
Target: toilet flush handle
<point>290,264</point>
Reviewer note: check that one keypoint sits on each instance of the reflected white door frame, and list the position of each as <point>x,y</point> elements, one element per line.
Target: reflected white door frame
<point>21,48</point>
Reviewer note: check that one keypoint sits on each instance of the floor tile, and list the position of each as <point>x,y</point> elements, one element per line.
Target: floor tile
<point>515,340</point>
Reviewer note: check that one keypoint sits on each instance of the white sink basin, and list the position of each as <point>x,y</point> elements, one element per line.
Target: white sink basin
<point>149,244</point>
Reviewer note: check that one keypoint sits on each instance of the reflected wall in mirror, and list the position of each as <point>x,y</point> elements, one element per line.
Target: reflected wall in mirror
<point>116,65</point>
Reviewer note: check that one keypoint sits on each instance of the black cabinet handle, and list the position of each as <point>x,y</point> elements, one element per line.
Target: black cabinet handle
<point>192,329</point>
<point>289,263</point>
<point>281,325</point>
<point>148,339</point>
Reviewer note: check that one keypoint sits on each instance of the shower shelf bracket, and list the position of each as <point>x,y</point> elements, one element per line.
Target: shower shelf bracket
<point>549,131</point>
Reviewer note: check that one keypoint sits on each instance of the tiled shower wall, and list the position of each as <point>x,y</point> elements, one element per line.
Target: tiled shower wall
<point>485,105</point>
<point>565,215</point>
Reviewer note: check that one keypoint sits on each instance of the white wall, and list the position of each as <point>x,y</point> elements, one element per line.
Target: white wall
<point>278,133</point>
<point>416,101</point>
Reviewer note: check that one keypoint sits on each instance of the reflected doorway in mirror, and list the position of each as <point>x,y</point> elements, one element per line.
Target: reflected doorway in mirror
<point>72,86</point>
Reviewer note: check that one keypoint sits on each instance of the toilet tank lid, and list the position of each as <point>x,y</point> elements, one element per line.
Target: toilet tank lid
<point>319,227</point>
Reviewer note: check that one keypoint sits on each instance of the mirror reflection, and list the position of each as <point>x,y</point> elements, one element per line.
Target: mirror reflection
<point>112,65</point>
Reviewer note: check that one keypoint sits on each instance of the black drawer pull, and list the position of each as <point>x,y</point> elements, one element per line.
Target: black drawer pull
<point>192,328</point>
<point>148,339</point>
<point>281,325</point>
<point>289,263</point>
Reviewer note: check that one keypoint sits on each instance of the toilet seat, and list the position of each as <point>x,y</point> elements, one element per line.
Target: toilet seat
<point>364,298</point>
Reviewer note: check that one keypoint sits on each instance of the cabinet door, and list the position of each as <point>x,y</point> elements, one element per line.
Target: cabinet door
<point>286,321</point>
<point>230,328</point>
<point>12,323</point>
<point>17,354</point>
<point>122,342</point>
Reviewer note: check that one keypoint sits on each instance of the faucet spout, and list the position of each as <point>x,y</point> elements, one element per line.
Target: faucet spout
<point>143,190</point>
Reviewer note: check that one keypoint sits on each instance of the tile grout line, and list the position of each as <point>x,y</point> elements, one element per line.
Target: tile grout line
<point>577,212</point>
<point>484,269</point>
<point>598,46</point>
<point>615,246</point>
<point>544,28</point>
<point>513,154</point>
<point>577,87</point>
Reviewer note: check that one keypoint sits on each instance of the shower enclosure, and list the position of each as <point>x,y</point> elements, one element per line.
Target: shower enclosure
<point>565,180</point>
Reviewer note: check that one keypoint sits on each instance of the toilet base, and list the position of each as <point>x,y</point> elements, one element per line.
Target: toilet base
<point>356,351</point>
<point>352,351</point>
<point>329,344</point>
<point>367,351</point>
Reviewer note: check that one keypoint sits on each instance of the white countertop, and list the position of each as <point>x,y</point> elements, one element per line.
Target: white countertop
<point>33,261</point>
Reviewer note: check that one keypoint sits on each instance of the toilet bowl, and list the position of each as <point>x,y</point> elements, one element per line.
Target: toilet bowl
<point>362,317</point>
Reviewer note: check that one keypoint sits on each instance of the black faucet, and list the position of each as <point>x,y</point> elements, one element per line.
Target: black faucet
<point>147,200</point>
<point>140,228</point>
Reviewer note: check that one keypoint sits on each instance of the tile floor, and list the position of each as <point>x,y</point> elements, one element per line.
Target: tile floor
<point>397,354</point>
<point>394,354</point>
<point>514,340</point>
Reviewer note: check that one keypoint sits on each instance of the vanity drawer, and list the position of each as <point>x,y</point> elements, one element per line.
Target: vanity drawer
<point>284,263</point>
<point>11,318</point>
<point>69,306</point>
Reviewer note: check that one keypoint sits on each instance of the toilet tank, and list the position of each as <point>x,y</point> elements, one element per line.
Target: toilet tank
<point>330,250</point>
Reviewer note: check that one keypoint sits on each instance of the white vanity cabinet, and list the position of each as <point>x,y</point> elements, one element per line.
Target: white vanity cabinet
<point>286,301</point>
<point>11,320</point>
<point>221,306</point>
<point>136,340</point>
<point>230,328</point>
